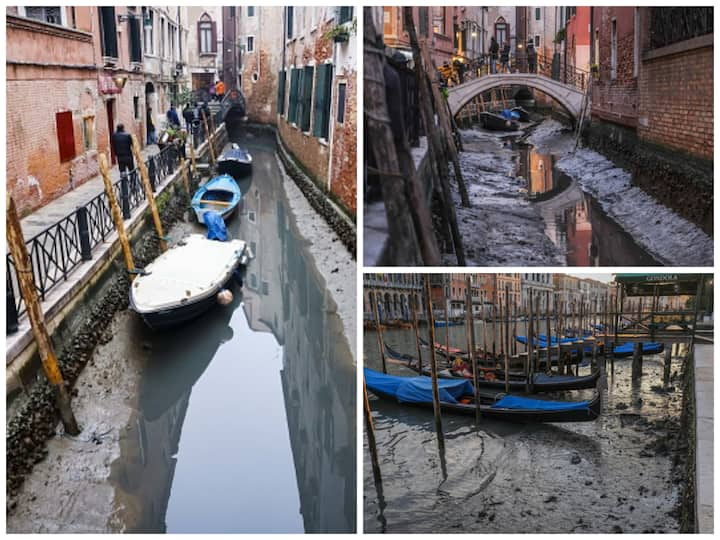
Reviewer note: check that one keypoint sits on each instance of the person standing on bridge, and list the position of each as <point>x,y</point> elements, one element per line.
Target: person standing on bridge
<point>505,59</point>
<point>532,58</point>
<point>219,90</point>
<point>494,48</point>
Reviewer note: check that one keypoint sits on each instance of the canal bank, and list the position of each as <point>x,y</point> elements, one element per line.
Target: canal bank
<point>154,441</point>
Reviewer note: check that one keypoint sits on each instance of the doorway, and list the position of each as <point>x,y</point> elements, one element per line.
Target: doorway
<point>110,106</point>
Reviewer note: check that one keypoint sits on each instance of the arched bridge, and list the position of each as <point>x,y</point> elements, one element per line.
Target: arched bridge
<point>566,95</point>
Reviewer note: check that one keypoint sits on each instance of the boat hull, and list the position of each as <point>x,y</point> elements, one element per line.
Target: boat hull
<point>495,122</point>
<point>167,318</point>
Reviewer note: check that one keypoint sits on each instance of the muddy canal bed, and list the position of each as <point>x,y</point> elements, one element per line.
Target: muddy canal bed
<point>541,202</point>
<point>240,421</point>
<point>611,475</point>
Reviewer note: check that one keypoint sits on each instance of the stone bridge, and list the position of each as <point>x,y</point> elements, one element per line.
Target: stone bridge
<point>569,97</point>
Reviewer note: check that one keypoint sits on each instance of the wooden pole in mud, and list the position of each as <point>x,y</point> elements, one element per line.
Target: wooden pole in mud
<point>446,296</point>
<point>149,195</point>
<point>433,365</point>
<point>637,360</point>
<point>548,335</point>
<point>370,429</point>
<point>470,330</point>
<point>417,333</point>
<point>378,327</point>
<point>515,318</point>
<point>506,362</point>
<point>485,344</point>
<point>117,216</point>
<point>26,282</point>
<point>186,181</point>
<point>210,137</point>
<point>192,161</point>
<point>667,366</point>
<point>500,328</point>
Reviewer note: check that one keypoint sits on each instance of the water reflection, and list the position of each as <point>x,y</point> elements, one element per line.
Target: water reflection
<point>245,419</point>
<point>574,221</point>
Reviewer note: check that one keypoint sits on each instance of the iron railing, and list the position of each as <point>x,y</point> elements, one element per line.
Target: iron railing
<point>64,245</point>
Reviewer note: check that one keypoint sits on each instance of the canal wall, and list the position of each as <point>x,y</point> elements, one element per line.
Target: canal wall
<point>680,181</point>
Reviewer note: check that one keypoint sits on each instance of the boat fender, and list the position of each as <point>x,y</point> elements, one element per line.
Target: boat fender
<point>224,297</point>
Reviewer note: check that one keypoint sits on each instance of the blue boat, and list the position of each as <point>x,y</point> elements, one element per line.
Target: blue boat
<point>220,194</point>
<point>648,347</point>
<point>458,396</point>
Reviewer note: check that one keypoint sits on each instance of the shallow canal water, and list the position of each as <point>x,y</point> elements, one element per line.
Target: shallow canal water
<point>611,475</point>
<point>245,420</point>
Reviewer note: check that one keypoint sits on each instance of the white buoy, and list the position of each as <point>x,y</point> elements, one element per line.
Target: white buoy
<point>224,297</point>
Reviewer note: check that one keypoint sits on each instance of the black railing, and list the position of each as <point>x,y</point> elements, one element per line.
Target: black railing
<point>63,246</point>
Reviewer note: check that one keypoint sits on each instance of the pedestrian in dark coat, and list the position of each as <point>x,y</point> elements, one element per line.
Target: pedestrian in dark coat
<point>172,116</point>
<point>494,48</point>
<point>532,58</point>
<point>189,116</point>
<point>122,146</point>
<point>505,59</point>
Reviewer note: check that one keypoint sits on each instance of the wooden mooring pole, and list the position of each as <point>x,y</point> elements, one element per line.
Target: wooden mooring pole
<point>149,193</point>
<point>372,444</point>
<point>210,137</point>
<point>117,217</point>
<point>192,161</point>
<point>417,332</point>
<point>186,181</point>
<point>668,364</point>
<point>470,330</point>
<point>433,365</point>
<point>23,267</point>
<point>381,345</point>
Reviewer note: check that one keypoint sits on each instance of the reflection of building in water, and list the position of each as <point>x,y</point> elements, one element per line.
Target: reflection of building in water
<point>319,384</point>
<point>579,235</point>
<point>541,173</point>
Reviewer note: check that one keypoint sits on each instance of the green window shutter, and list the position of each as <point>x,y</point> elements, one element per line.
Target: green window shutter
<point>298,97</point>
<point>281,93</point>
<point>292,112</point>
<point>307,84</point>
<point>323,90</point>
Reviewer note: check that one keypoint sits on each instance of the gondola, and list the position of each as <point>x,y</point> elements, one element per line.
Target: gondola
<point>457,397</point>
<point>496,122</point>
<point>236,161</point>
<point>522,114</point>
<point>183,282</point>
<point>627,349</point>
<point>220,194</point>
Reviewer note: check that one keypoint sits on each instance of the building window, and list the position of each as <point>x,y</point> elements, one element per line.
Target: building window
<point>281,93</point>
<point>342,88</point>
<point>597,47</point>
<point>424,15</point>
<point>500,31</point>
<point>537,13</point>
<point>613,49</point>
<point>207,30</point>
<point>251,11</point>
<point>162,37</point>
<point>306,97</point>
<point>134,39</point>
<point>89,132</point>
<point>323,89</point>
<point>289,21</point>
<point>136,107</point>
<point>149,14</point>
<point>52,15</point>
<point>537,41</point>
<point>66,135</point>
<point>250,44</point>
<point>293,106</point>
<point>346,14</point>
<point>108,32</point>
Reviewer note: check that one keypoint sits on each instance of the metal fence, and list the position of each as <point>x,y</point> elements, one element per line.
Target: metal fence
<point>63,246</point>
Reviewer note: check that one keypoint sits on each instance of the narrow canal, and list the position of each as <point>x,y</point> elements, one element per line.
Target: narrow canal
<point>242,421</point>
<point>542,203</point>
<point>611,475</point>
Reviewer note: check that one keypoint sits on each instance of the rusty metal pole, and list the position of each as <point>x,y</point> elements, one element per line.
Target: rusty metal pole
<point>117,217</point>
<point>433,366</point>
<point>23,267</point>
<point>149,193</point>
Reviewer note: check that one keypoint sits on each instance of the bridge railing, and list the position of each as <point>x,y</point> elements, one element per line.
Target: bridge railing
<point>547,66</point>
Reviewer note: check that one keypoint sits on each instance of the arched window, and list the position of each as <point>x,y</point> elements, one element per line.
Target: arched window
<point>207,35</point>
<point>501,31</point>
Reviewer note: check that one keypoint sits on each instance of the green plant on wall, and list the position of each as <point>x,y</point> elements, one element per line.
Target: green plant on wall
<point>341,32</point>
<point>185,96</point>
<point>560,36</point>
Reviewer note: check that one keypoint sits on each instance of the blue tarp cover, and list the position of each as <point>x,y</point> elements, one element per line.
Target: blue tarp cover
<point>416,389</point>
<point>517,402</point>
<point>216,229</point>
<point>648,347</point>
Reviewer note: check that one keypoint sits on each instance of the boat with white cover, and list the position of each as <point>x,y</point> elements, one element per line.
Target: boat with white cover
<point>183,282</point>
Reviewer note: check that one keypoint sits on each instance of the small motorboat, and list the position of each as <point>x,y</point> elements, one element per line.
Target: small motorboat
<point>236,161</point>
<point>496,122</point>
<point>458,396</point>
<point>220,194</point>
<point>184,282</point>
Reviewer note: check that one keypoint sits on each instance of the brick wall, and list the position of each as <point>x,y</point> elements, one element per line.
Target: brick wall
<point>676,101</point>
<point>615,100</point>
<point>261,95</point>
<point>343,182</point>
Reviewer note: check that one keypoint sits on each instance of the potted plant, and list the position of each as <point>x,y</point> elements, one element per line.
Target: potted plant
<point>595,70</point>
<point>341,32</point>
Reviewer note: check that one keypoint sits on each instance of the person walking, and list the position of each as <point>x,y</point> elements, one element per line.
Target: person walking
<point>494,48</point>
<point>172,116</point>
<point>188,116</point>
<point>219,90</point>
<point>122,146</point>
<point>150,123</point>
<point>505,58</point>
